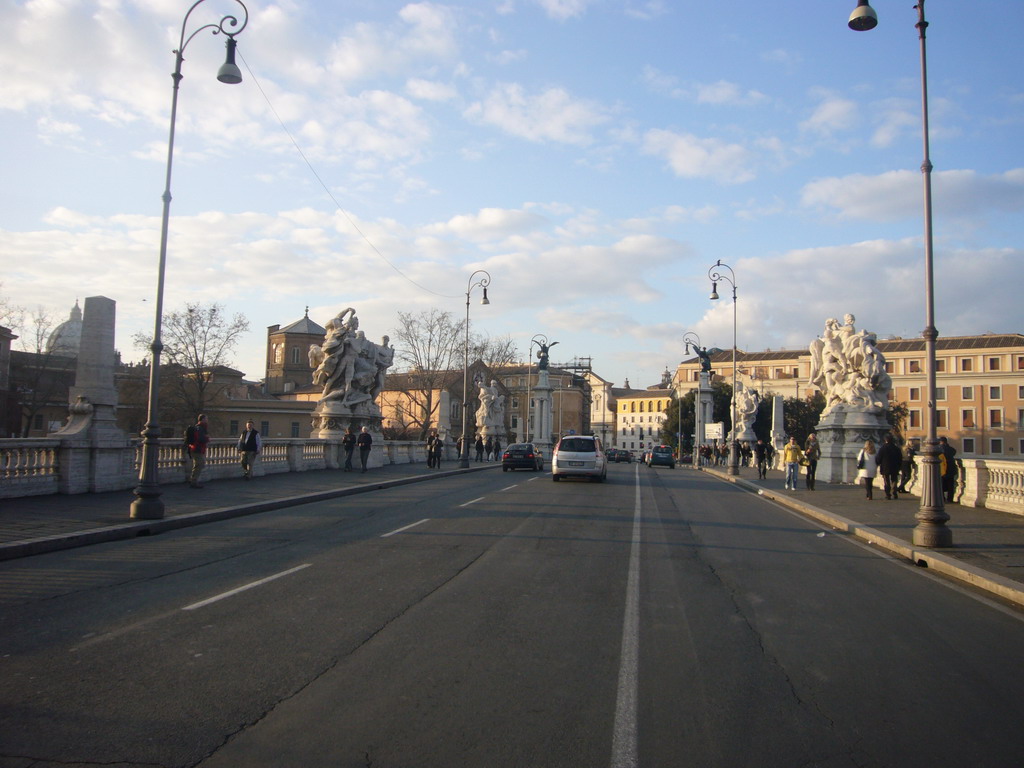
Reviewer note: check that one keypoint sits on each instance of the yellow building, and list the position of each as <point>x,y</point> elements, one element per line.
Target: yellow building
<point>979,385</point>
<point>639,414</point>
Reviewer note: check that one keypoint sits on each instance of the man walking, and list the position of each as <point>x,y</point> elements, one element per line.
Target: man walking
<point>950,477</point>
<point>198,437</point>
<point>365,442</point>
<point>907,466</point>
<point>249,446</point>
<point>760,459</point>
<point>348,444</point>
<point>889,459</point>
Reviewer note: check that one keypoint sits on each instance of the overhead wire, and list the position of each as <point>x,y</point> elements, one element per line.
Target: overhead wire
<point>330,194</point>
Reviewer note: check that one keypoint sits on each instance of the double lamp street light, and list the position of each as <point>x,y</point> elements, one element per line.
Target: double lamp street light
<point>147,504</point>
<point>482,282</point>
<point>716,275</point>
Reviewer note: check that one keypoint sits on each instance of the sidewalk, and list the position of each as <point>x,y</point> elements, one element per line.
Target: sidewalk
<point>36,524</point>
<point>988,546</point>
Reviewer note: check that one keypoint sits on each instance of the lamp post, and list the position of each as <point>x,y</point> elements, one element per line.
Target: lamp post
<point>147,504</point>
<point>691,339</point>
<point>541,341</point>
<point>931,529</point>
<point>482,282</point>
<point>716,276</point>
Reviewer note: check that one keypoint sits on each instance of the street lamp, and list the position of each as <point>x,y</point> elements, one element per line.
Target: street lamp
<point>716,277</point>
<point>541,341</point>
<point>931,530</point>
<point>482,282</point>
<point>691,339</point>
<point>147,504</point>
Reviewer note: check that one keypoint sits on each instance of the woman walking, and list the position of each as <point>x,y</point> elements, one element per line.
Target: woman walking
<point>867,467</point>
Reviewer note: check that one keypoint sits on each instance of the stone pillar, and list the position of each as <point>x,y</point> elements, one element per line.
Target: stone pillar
<point>542,413</point>
<point>842,433</point>
<point>93,449</point>
<point>778,436</point>
<point>705,407</point>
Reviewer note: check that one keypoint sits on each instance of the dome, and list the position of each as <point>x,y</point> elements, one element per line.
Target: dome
<point>67,337</point>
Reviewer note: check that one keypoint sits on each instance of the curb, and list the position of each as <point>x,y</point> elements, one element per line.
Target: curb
<point>122,531</point>
<point>977,577</point>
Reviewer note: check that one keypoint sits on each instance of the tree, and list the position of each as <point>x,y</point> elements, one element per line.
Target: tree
<point>197,341</point>
<point>801,415</point>
<point>671,425</point>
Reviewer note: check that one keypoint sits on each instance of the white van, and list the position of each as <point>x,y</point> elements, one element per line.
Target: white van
<point>579,456</point>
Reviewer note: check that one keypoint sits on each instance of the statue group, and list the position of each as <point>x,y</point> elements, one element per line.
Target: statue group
<point>350,371</point>
<point>490,415</point>
<point>848,368</point>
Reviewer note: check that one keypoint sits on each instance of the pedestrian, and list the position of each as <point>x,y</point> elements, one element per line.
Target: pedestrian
<point>907,466</point>
<point>761,459</point>
<point>431,438</point>
<point>791,457</point>
<point>489,447</point>
<point>951,473</point>
<point>867,467</point>
<point>497,449</point>
<point>479,446</point>
<point>198,437</point>
<point>435,448</point>
<point>812,453</point>
<point>746,453</point>
<point>890,459</point>
<point>348,443</point>
<point>365,442</point>
<point>249,446</point>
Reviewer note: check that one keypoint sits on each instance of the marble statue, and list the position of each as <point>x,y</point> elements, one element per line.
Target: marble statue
<point>746,399</point>
<point>848,368</point>
<point>491,412</point>
<point>348,367</point>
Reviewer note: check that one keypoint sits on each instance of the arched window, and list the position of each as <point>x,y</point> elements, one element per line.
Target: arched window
<point>295,355</point>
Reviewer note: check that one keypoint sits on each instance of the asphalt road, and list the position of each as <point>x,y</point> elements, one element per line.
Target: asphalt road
<point>659,619</point>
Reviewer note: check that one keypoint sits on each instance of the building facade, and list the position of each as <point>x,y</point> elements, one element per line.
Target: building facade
<point>979,386</point>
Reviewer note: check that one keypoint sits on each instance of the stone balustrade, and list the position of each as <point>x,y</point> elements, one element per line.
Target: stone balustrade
<point>40,466</point>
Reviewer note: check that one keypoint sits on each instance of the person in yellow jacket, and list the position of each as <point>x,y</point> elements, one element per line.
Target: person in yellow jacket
<point>791,457</point>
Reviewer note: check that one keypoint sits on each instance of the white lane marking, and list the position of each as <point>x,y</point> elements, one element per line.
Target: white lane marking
<point>510,487</point>
<point>221,596</point>
<point>624,737</point>
<point>406,527</point>
<point>474,501</point>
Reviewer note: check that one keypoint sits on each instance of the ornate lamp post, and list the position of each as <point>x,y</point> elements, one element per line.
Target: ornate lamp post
<point>931,530</point>
<point>482,282</point>
<point>541,341</point>
<point>691,339</point>
<point>147,504</point>
<point>716,276</point>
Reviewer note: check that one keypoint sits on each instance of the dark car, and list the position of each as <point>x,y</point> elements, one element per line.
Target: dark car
<point>661,455</point>
<point>620,456</point>
<point>522,456</point>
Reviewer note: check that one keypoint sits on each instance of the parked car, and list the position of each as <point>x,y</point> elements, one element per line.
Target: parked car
<point>579,456</point>
<point>522,456</point>
<point>661,455</point>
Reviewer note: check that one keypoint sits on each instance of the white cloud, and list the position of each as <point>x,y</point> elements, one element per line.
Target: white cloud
<point>430,90</point>
<point>564,9</point>
<point>552,115</point>
<point>692,157</point>
<point>833,114</point>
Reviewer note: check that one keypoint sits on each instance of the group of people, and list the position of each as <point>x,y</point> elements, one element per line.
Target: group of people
<point>363,441</point>
<point>491,448</point>
<point>896,466</point>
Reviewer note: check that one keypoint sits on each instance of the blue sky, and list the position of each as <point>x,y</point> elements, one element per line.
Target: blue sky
<point>595,156</point>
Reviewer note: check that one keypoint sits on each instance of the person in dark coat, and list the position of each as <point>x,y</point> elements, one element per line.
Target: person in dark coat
<point>365,443</point>
<point>348,443</point>
<point>760,459</point>
<point>479,445</point>
<point>951,474</point>
<point>890,460</point>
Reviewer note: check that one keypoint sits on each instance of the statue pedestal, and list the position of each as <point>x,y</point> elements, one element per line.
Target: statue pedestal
<point>331,418</point>
<point>704,408</point>
<point>842,433</point>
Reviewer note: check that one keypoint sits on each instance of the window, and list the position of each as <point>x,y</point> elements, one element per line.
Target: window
<point>641,406</point>
<point>915,419</point>
<point>295,429</point>
<point>967,418</point>
<point>966,364</point>
<point>915,366</point>
<point>515,402</point>
<point>995,393</point>
<point>1020,393</point>
<point>455,411</point>
<point>940,393</point>
<point>233,427</point>
<point>632,407</point>
<point>265,428</point>
<point>967,393</point>
<point>941,418</point>
<point>295,355</point>
<point>1020,448</point>
<point>1020,418</point>
<point>997,445</point>
<point>915,393</point>
<point>515,422</point>
<point>968,444</point>
<point>940,365</point>
<point>993,363</point>
<point>1020,362</point>
<point>889,366</point>
<point>623,407</point>
<point>995,418</point>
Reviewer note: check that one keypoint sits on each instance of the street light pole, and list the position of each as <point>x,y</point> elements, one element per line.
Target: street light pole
<point>691,339</point>
<point>147,504</point>
<point>931,529</point>
<point>483,282</point>
<point>716,277</point>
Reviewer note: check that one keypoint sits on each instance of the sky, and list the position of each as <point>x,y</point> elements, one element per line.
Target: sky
<point>595,157</point>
